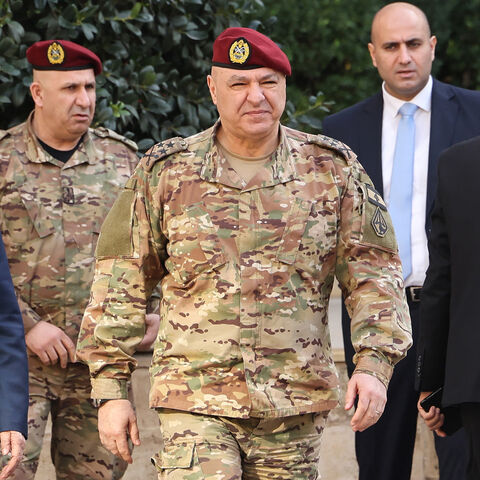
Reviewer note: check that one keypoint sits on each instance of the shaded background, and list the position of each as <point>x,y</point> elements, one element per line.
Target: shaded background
<point>157,53</point>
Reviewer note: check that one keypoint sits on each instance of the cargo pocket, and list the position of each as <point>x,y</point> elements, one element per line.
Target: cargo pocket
<point>174,456</point>
<point>38,224</point>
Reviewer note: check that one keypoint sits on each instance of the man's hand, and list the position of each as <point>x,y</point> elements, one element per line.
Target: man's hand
<point>117,422</point>
<point>50,344</point>
<point>13,443</point>
<point>433,418</point>
<point>152,322</point>
<point>372,397</point>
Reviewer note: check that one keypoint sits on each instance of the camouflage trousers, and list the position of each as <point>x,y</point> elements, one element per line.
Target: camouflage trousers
<point>202,447</point>
<point>76,451</point>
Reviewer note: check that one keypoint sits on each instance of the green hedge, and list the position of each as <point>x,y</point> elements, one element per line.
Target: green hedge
<point>157,54</point>
<point>327,43</point>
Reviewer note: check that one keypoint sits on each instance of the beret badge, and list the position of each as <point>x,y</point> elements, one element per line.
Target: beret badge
<point>239,51</point>
<point>55,54</point>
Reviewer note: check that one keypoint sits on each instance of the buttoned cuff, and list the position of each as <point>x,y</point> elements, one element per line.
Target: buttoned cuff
<point>108,388</point>
<point>375,364</point>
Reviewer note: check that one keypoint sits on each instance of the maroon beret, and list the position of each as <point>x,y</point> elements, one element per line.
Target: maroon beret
<point>244,49</point>
<point>62,55</point>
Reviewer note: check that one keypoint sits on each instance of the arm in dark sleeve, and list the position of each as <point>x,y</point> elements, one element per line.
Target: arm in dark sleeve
<point>13,358</point>
<point>435,300</point>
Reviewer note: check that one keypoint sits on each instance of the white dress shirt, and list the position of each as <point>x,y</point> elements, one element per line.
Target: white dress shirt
<point>391,119</point>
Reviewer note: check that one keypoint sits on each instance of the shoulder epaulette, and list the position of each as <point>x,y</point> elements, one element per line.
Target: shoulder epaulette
<point>162,150</point>
<point>103,132</point>
<point>332,144</point>
<point>3,134</point>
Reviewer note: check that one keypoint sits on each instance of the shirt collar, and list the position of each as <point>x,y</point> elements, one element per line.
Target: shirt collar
<point>422,100</point>
<point>86,152</point>
<point>280,169</point>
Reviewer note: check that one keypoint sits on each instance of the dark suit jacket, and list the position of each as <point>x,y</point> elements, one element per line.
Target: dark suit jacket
<point>449,310</point>
<point>455,117</point>
<point>13,358</point>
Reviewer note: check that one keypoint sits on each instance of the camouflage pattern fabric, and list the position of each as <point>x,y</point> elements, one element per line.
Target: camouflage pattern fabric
<point>202,447</point>
<point>246,274</point>
<point>75,447</point>
<point>50,218</point>
<point>51,214</point>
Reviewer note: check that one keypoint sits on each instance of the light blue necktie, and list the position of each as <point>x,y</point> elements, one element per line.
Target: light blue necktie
<point>401,187</point>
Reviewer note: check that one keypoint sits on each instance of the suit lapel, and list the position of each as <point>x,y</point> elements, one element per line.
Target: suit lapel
<point>442,128</point>
<point>370,129</point>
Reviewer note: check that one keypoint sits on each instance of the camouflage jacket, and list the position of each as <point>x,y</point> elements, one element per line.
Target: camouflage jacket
<point>246,273</point>
<point>50,217</point>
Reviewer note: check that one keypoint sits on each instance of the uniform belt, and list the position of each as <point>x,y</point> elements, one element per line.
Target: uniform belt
<point>413,293</point>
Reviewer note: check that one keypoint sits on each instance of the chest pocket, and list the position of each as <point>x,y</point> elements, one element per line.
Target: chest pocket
<point>194,246</point>
<point>309,235</point>
<point>26,214</point>
<point>294,230</point>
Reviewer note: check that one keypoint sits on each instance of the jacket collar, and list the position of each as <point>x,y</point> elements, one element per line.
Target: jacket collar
<point>86,152</point>
<point>279,169</point>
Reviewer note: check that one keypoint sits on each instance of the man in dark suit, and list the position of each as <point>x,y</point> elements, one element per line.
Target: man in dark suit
<point>402,48</point>
<point>449,327</point>
<point>13,372</point>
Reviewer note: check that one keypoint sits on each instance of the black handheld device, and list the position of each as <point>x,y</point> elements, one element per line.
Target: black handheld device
<point>452,421</point>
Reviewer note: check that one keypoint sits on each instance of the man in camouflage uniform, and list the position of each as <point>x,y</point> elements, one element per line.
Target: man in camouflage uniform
<point>246,225</point>
<point>58,179</point>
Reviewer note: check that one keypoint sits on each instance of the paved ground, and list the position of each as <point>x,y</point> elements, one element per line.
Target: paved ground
<point>337,462</point>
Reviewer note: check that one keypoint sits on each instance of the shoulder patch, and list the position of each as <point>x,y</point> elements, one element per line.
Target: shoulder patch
<point>3,134</point>
<point>377,226</point>
<point>332,144</point>
<point>162,150</point>
<point>103,132</point>
<point>375,198</point>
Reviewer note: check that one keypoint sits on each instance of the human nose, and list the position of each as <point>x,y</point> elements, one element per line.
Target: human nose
<point>255,94</point>
<point>83,98</point>
<point>404,54</point>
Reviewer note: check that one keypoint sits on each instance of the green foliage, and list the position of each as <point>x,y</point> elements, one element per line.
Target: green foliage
<point>456,26</point>
<point>326,41</point>
<point>156,55</point>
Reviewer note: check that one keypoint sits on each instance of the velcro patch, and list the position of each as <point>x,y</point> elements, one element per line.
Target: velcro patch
<point>375,198</point>
<point>115,237</point>
<point>377,226</point>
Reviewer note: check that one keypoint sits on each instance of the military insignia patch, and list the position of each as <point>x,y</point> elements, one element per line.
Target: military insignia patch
<point>379,223</point>
<point>55,54</point>
<point>239,51</point>
<point>375,198</point>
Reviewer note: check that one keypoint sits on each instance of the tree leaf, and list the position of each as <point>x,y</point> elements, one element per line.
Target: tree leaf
<point>136,10</point>
<point>89,30</point>
<point>196,35</point>
<point>16,30</point>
